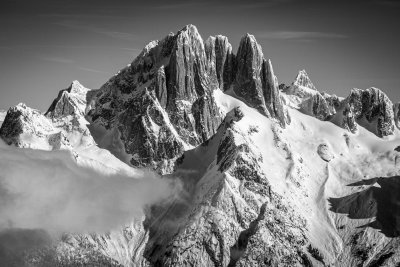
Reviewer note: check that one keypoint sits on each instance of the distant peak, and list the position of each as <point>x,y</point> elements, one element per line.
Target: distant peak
<point>302,79</point>
<point>191,29</point>
<point>77,88</point>
<point>249,37</point>
<point>76,83</point>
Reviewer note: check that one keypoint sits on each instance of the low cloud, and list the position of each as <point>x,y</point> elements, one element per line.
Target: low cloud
<point>50,191</point>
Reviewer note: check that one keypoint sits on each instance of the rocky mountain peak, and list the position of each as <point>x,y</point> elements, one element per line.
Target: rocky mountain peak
<point>372,109</point>
<point>255,81</point>
<point>221,60</point>
<point>70,101</point>
<point>303,80</point>
<point>23,120</point>
<point>77,88</point>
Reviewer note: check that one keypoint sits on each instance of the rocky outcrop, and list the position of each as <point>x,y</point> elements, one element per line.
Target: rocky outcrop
<point>370,108</point>
<point>303,95</point>
<point>221,60</point>
<point>165,95</point>
<point>303,80</point>
<point>62,127</point>
<point>25,127</point>
<point>322,107</point>
<point>255,81</point>
<point>301,87</point>
<point>146,132</point>
<point>349,119</point>
<point>248,84</point>
<point>396,113</point>
<point>325,152</point>
<point>231,210</point>
<point>70,101</point>
<point>271,92</point>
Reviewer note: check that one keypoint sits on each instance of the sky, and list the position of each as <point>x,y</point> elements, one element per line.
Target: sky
<point>46,44</point>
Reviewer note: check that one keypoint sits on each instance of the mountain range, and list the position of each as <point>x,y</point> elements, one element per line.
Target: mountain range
<point>270,174</point>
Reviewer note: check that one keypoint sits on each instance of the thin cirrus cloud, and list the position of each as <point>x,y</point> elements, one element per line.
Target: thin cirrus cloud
<point>57,60</point>
<point>70,61</point>
<point>93,70</point>
<point>94,29</point>
<point>300,35</point>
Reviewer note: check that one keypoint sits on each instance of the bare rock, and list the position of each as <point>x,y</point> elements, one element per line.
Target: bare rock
<point>325,152</point>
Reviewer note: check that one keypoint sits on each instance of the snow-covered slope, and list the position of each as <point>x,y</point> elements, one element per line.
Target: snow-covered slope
<point>2,116</point>
<point>267,177</point>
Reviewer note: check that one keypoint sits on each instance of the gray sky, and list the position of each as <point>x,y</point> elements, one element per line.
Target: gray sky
<point>45,44</point>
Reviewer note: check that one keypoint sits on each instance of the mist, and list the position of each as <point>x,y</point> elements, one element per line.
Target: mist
<point>50,191</point>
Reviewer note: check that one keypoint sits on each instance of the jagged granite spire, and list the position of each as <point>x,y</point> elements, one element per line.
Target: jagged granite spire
<point>272,95</point>
<point>166,95</point>
<point>302,79</point>
<point>248,84</point>
<point>221,60</point>
<point>255,81</point>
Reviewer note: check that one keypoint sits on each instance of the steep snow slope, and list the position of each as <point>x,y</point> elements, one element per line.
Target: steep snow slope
<point>251,170</point>
<point>2,116</point>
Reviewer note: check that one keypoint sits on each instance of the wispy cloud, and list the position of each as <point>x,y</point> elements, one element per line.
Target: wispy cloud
<point>299,35</point>
<point>57,59</point>
<point>225,4</point>
<point>93,70</point>
<point>95,29</point>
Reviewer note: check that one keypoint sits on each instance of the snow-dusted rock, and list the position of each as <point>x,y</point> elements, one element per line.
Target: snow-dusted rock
<point>325,152</point>
<point>221,60</point>
<point>302,80</point>
<point>26,127</point>
<point>372,109</point>
<point>158,118</point>
<point>255,81</point>
<point>303,95</point>
<point>396,113</point>
<point>71,101</point>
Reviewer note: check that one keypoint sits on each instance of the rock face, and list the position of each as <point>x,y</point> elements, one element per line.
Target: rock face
<point>233,213</point>
<point>221,58</point>
<point>255,81</point>
<point>248,84</point>
<point>163,102</point>
<point>396,112</point>
<point>325,152</point>
<point>71,101</point>
<point>321,106</point>
<point>303,80</point>
<point>372,109</point>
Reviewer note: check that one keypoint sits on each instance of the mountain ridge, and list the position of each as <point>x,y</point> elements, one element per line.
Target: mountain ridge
<point>260,164</point>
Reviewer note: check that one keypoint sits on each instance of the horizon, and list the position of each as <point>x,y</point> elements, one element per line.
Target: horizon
<point>48,44</point>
